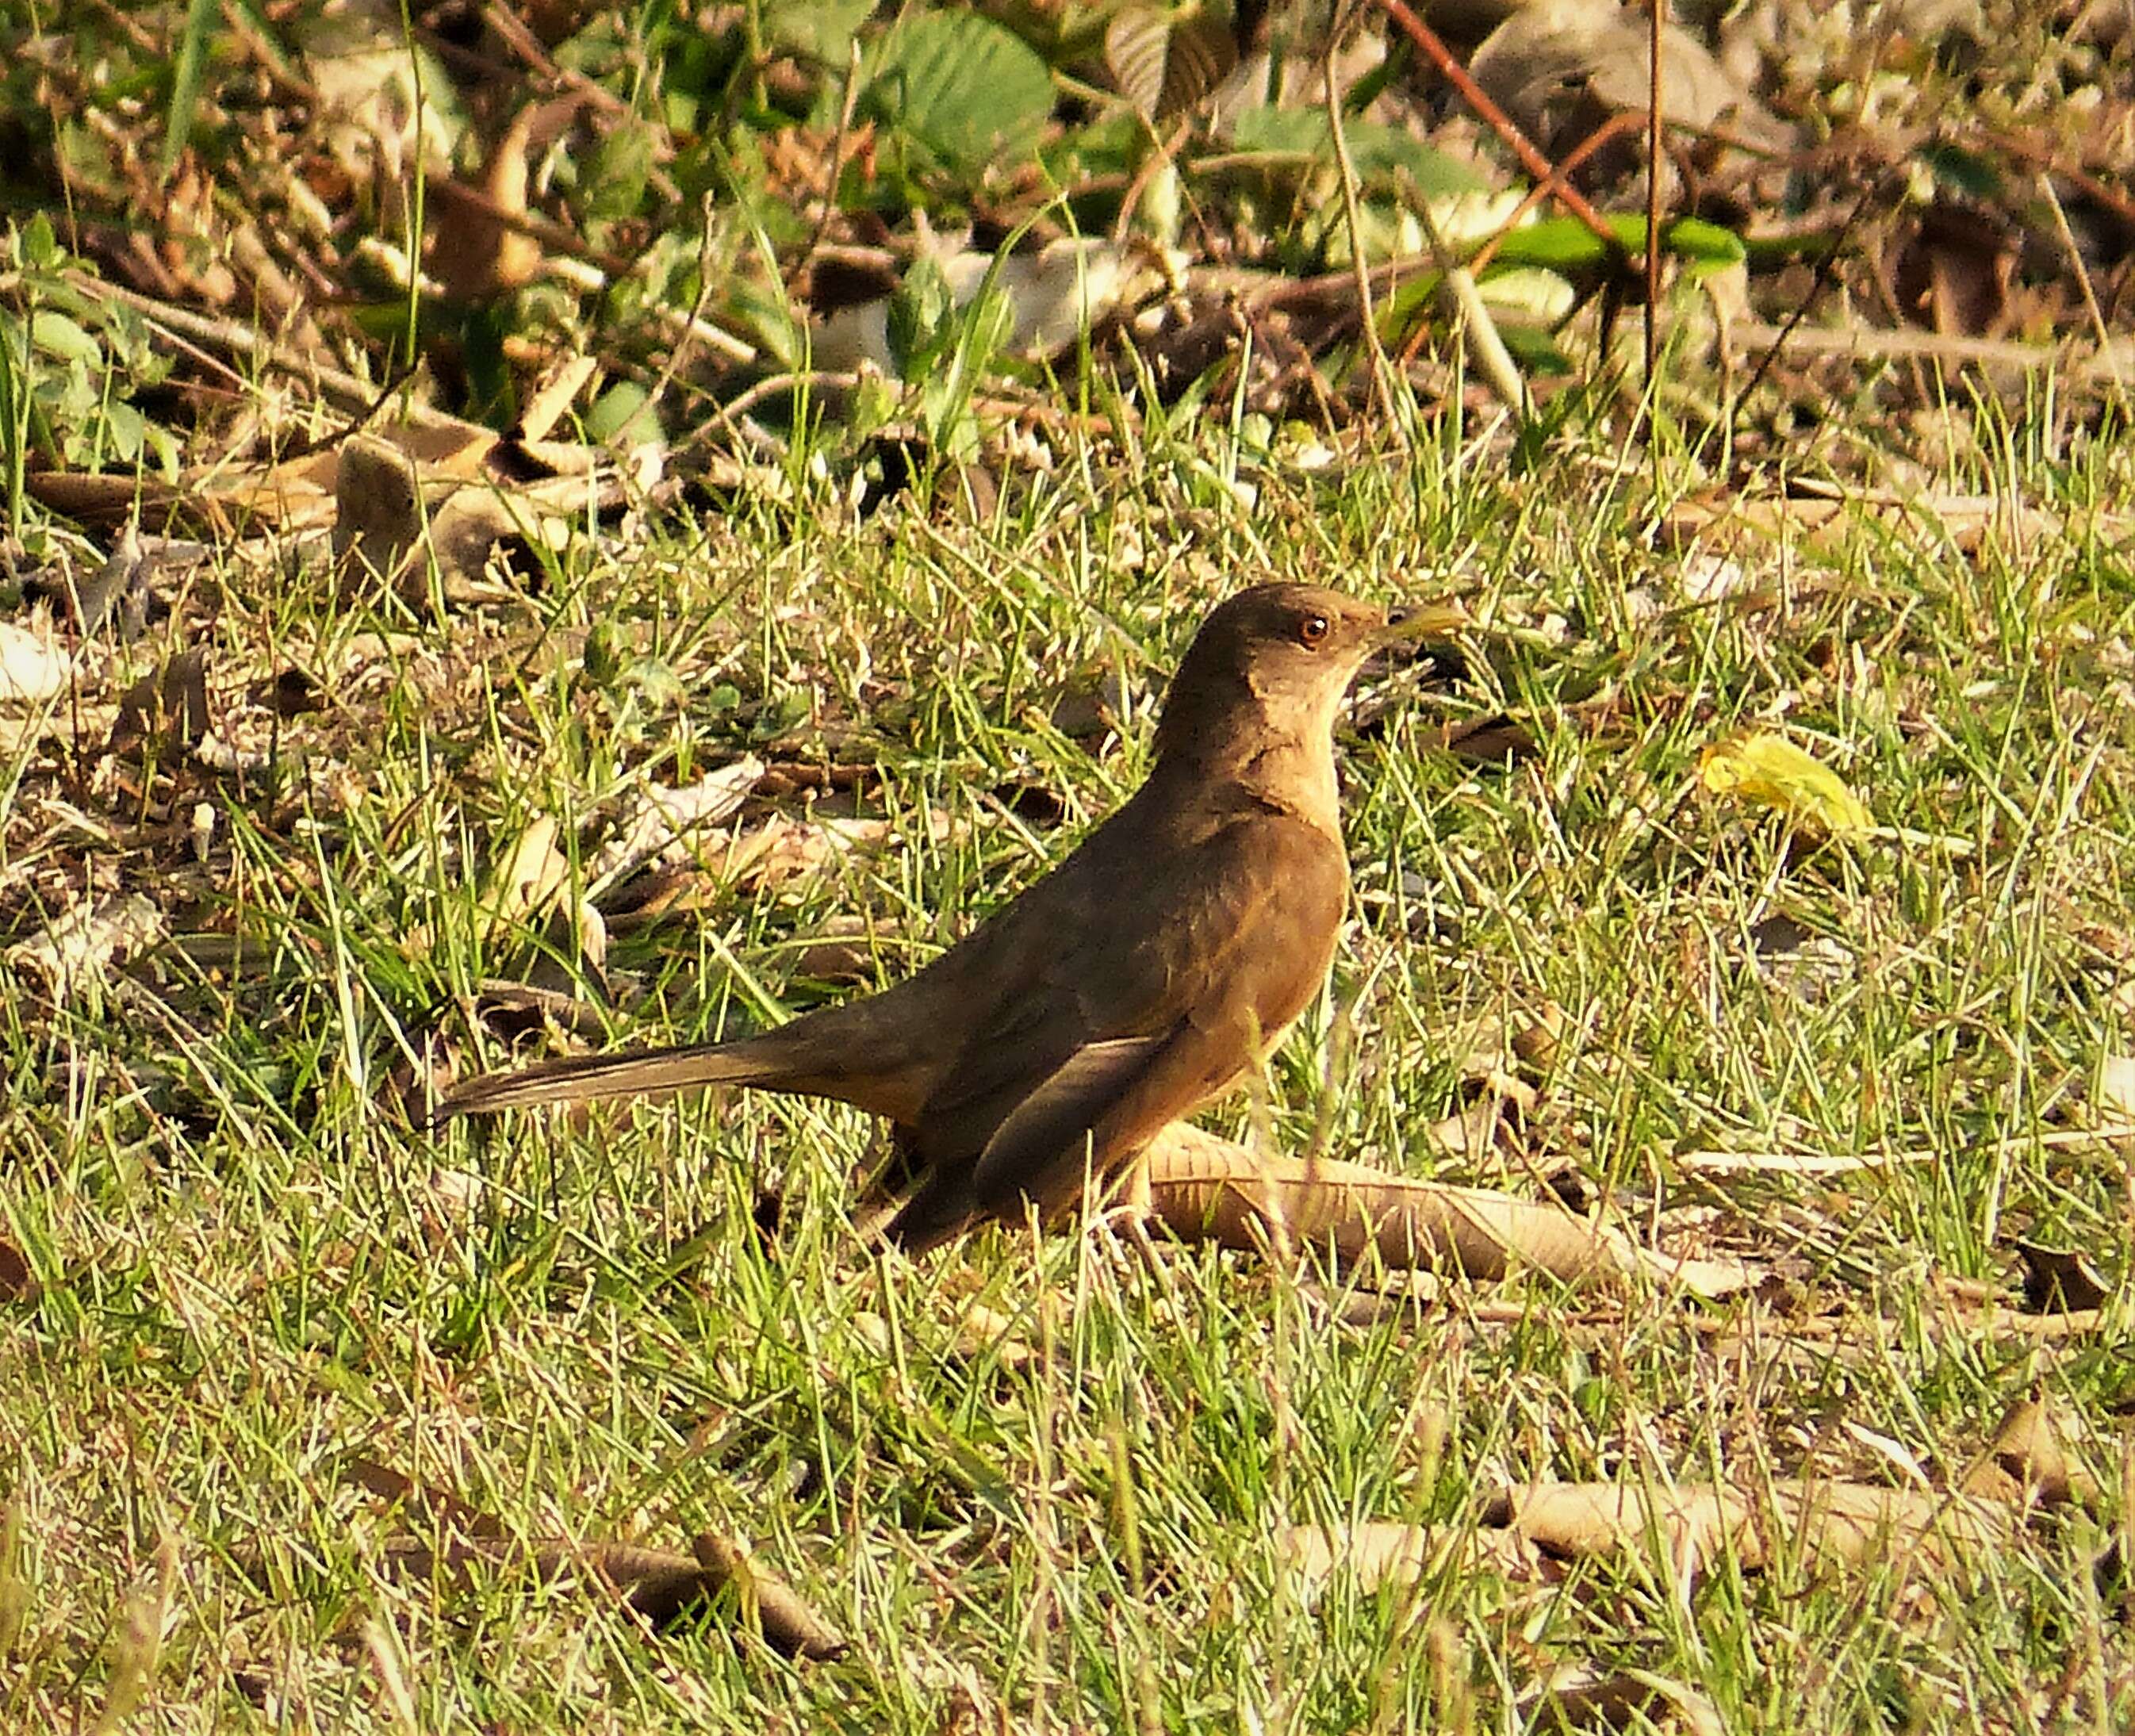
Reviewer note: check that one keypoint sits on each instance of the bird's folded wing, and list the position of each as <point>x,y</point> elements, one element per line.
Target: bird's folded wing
<point>1040,1153</point>
<point>1158,1012</point>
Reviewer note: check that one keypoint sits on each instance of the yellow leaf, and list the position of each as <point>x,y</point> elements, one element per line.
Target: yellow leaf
<point>1771,772</point>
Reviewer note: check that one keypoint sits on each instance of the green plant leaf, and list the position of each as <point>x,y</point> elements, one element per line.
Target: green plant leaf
<point>616,177</point>
<point>820,29</point>
<point>1695,238</point>
<point>40,249</point>
<point>1535,351</point>
<point>918,318</point>
<point>1967,172</point>
<point>1565,244</point>
<point>1555,243</point>
<point>56,335</point>
<point>962,87</point>
<point>623,412</point>
<point>1378,152</point>
<point>201,17</point>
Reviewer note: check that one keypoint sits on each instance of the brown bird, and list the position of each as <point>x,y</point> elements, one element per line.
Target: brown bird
<point>1141,979</point>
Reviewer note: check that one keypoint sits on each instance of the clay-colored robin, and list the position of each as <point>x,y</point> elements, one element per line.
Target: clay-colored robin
<point>1141,979</point>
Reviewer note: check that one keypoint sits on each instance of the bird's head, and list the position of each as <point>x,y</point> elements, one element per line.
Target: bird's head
<point>1282,656</point>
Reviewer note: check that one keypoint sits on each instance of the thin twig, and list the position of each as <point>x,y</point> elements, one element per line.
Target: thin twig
<point>1500,122</point>
<point>679,350</point>
<point>240,337</point>
<point>1653,107</point>
<point>2110,362</point>
<point>846,110</point>
<point>1890,343</point>
<point>1628,120</point>
<point>1375,352</point>
<point>1825,268</point>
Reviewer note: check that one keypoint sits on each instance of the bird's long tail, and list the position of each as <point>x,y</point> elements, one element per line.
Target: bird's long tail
<point>629,1073</point>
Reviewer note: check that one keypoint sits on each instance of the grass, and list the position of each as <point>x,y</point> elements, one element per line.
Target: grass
<point>1063,1511</point>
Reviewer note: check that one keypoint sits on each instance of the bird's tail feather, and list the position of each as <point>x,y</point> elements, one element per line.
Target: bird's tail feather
<point>631,1072</point>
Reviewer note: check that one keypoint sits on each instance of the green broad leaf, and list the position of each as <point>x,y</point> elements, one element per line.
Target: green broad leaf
<point>1966,172</point>
<point>58,335</point>
<point>125,429</point>
<point>623,412</point>
<point>1555,243</point>
<point>1112,146</point>
<point>41,248</point>
<point>1565,244</point>
<point>1534,351</point>
<point>163,447</point>
<point>918,318</point>
<point>1411,297</point>
<point>1378,152</point>
<point>962,87</point>
<point>615,175</point>
<point>1695,238</point>
<point>822,30</point>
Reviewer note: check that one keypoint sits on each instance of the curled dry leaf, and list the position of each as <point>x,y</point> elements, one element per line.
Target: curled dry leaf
<point>1201,1187</point>
<point>118,587</point>
<point>18,1282</point>
<point>658,1584</point>
<point>33,668</point>
<point>1559,66</point>
<point>170,701</point>
<point>766,1603</point>
<point>1621,1700</point>
<point>534,881</point>
<point>512,1009</point>
<point>2027,1460</point>
<point>1493,1115</point>
<point>1498,739</point>
<point>1771,772</point>
<point>784,847</point>
<point>663,821</point>
<point>458,495</point>
<point>475,251</point>
<point>842,951</point>
<point>528,878</point>
<point>2059,1280</point>
<point>1382,1552</point>
<point>420,1503</point>
<point>80,943</point>
<point>1823,1522</point>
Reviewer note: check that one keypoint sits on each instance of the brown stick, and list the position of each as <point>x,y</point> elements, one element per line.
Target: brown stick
<point>1654,106</point>
<point>1500,122</point>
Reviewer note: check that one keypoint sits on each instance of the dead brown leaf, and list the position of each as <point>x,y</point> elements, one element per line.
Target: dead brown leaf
<point>767,1603</point>
<point>659,1585</point>
<point>1201,1187</point>
<point>2027,1459</point>
<point>2060,1280</point>
<point>18,1282</point>
<point>1826,1522</point>
<point>169,704</point>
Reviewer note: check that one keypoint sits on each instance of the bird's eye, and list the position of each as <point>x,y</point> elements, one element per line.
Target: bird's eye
<point>1312,632</point>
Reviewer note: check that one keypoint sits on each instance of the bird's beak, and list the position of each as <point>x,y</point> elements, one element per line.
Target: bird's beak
<point>1426,620</point>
